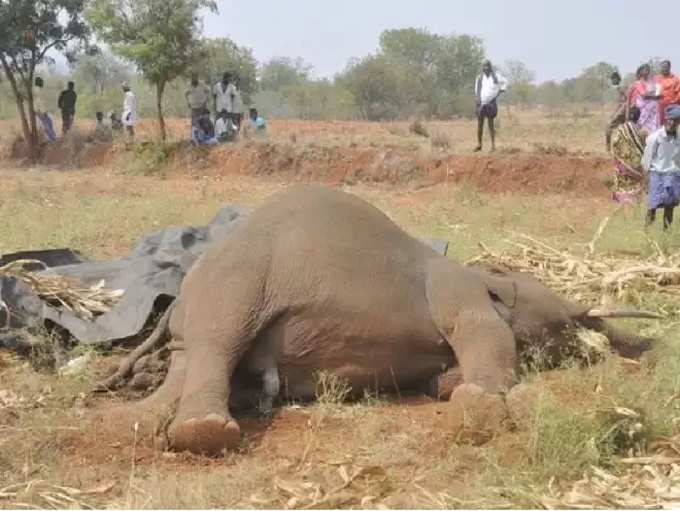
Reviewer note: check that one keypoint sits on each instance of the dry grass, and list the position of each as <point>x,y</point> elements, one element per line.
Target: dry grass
<point>331,389</point>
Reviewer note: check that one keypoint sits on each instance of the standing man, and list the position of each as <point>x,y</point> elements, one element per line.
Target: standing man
<point>661,163</point>
<point>488,86</point>
<point>129,111</point>
<point>197,97</point>
<point>237,103</point>
<point>223,95</point>
<point>67,105</point>
<point>619,115</point>
<point>670,88</point>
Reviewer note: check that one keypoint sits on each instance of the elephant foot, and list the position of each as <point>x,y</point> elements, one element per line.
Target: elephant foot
<point>476,415</point>
<point>207,436</point>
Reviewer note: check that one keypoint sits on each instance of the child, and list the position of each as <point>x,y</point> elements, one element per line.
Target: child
<point>225,130</point>
<point>116,123</point>
<point>257,123</point>
<point>204,132</point>
<point>102,132</point>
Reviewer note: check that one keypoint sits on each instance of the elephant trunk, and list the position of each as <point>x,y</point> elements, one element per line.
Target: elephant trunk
<point>624,343</point>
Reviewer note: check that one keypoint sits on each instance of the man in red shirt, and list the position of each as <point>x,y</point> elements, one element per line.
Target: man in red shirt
<point>670,88</point>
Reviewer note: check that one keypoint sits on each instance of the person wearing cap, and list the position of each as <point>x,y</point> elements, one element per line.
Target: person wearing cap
<point>661,163</point>
<point>129,111</point>
<point>488,86</point>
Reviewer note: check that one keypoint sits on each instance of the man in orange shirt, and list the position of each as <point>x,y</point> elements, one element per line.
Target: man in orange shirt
<point>670,88</point>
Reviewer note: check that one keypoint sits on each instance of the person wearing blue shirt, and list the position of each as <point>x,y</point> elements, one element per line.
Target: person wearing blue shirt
<point>257,122</point>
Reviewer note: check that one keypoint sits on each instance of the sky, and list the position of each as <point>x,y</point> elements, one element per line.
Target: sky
<point>555,39</point>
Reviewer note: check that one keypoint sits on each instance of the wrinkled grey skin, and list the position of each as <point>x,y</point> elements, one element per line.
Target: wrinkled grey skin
<point>317,279</point>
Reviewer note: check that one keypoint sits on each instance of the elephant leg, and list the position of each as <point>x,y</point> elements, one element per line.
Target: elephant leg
<point>216,340</point>
<point>170,391</point>
<point>203,424</point>
<point>485,348</point>
<point>463,311</point>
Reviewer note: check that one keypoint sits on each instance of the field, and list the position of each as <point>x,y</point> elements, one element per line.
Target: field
<point>615,422</point>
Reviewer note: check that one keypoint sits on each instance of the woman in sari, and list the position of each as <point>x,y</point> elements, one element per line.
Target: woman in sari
<point>645,94</point>
<point>627,148</point>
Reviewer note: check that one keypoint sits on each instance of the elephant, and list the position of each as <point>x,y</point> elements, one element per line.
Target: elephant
<point>317,279</point>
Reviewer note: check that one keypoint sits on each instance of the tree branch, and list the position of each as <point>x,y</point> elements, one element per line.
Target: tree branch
<point>52,45</point>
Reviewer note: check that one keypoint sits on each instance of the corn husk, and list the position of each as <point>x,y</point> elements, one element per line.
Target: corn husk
<point>585,275</point>
<point>63,292</point>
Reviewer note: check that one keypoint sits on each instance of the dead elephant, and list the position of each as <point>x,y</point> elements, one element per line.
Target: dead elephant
<point>317,279</point>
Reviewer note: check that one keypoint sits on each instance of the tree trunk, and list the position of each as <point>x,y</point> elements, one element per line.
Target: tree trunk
<point>25,128</point>
<point>160,87</point>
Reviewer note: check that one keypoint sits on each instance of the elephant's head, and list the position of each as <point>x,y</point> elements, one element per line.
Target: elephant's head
<point>544,322</point>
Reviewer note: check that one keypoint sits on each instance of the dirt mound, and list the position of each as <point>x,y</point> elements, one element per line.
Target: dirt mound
<point>520,173</point>
<point>74,151</point>
<point>526,173</point>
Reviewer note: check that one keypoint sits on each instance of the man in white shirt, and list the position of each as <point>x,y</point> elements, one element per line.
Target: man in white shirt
<point>197,97</point>
<point>225,131</point>
<point>488,86</point>
<point>223,94</point>
<point>237,104</point>
<point>129,111</point>
<point>661,161</point>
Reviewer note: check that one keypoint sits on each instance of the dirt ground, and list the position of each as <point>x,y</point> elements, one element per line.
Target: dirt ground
<point>61,446</point>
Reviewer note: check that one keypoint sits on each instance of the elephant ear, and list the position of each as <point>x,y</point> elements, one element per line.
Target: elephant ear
<point>504,289</point>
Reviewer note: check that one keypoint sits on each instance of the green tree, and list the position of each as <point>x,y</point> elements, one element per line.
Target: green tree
<point>412,53</point>
<point>30,30</point>
<point>520,81</point>
<point>224,55</point>
<point>99,70</point>
<point>551,94</point>
<point>374,84</point>
<point>593,83</point>
<point>456,67</point>
<point>280,72</point>
<point>414,48</point>
<point>160,37</point>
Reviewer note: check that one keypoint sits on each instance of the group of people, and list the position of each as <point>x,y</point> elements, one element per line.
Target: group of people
<point>226,100</point>
<point>227,104</point>
<point>66,103</point>
<point>643,139</point>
